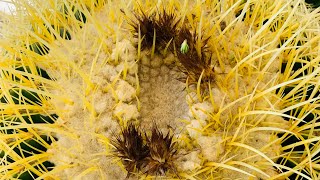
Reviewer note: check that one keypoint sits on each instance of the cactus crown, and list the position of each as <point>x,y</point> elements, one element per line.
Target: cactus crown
<point>241,95</point>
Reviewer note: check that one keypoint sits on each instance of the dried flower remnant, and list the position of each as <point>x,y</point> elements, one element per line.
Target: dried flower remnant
<point>166,28</point>
<point>143,27</point>
<point>163,153</point>
<point>162,25</point>
<point>154,155</point>
<point>131,148</point>
<point>195,64</point>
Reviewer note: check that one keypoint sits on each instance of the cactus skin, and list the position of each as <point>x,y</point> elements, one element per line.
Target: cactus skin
<point>72,75</point>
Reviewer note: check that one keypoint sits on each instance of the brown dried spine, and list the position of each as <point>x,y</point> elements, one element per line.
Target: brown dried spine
<point>165,28</point>
<point>163,153</point>
<point>195,63</point>
<point>131,148</point>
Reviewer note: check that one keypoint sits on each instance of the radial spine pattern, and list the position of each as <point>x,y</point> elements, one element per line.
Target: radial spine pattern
<point>97,89</point>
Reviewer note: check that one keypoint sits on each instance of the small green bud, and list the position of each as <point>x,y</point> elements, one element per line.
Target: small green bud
<point>184,47</point>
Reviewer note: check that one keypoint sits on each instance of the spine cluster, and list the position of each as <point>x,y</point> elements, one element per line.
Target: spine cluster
<point>140,153</point>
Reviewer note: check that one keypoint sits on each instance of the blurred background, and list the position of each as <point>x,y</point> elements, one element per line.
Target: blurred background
<point>6,6</point>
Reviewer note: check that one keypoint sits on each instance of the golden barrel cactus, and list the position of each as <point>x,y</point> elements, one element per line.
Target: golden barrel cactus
<point>98,89</point>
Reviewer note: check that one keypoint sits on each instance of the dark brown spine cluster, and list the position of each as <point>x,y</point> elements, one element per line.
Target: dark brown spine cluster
<point>131,148</point>
<point>144,25</point>
<point>154,155</point>
<point>163,152</point>
<point>164,27</point>
<point>194,63</point>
